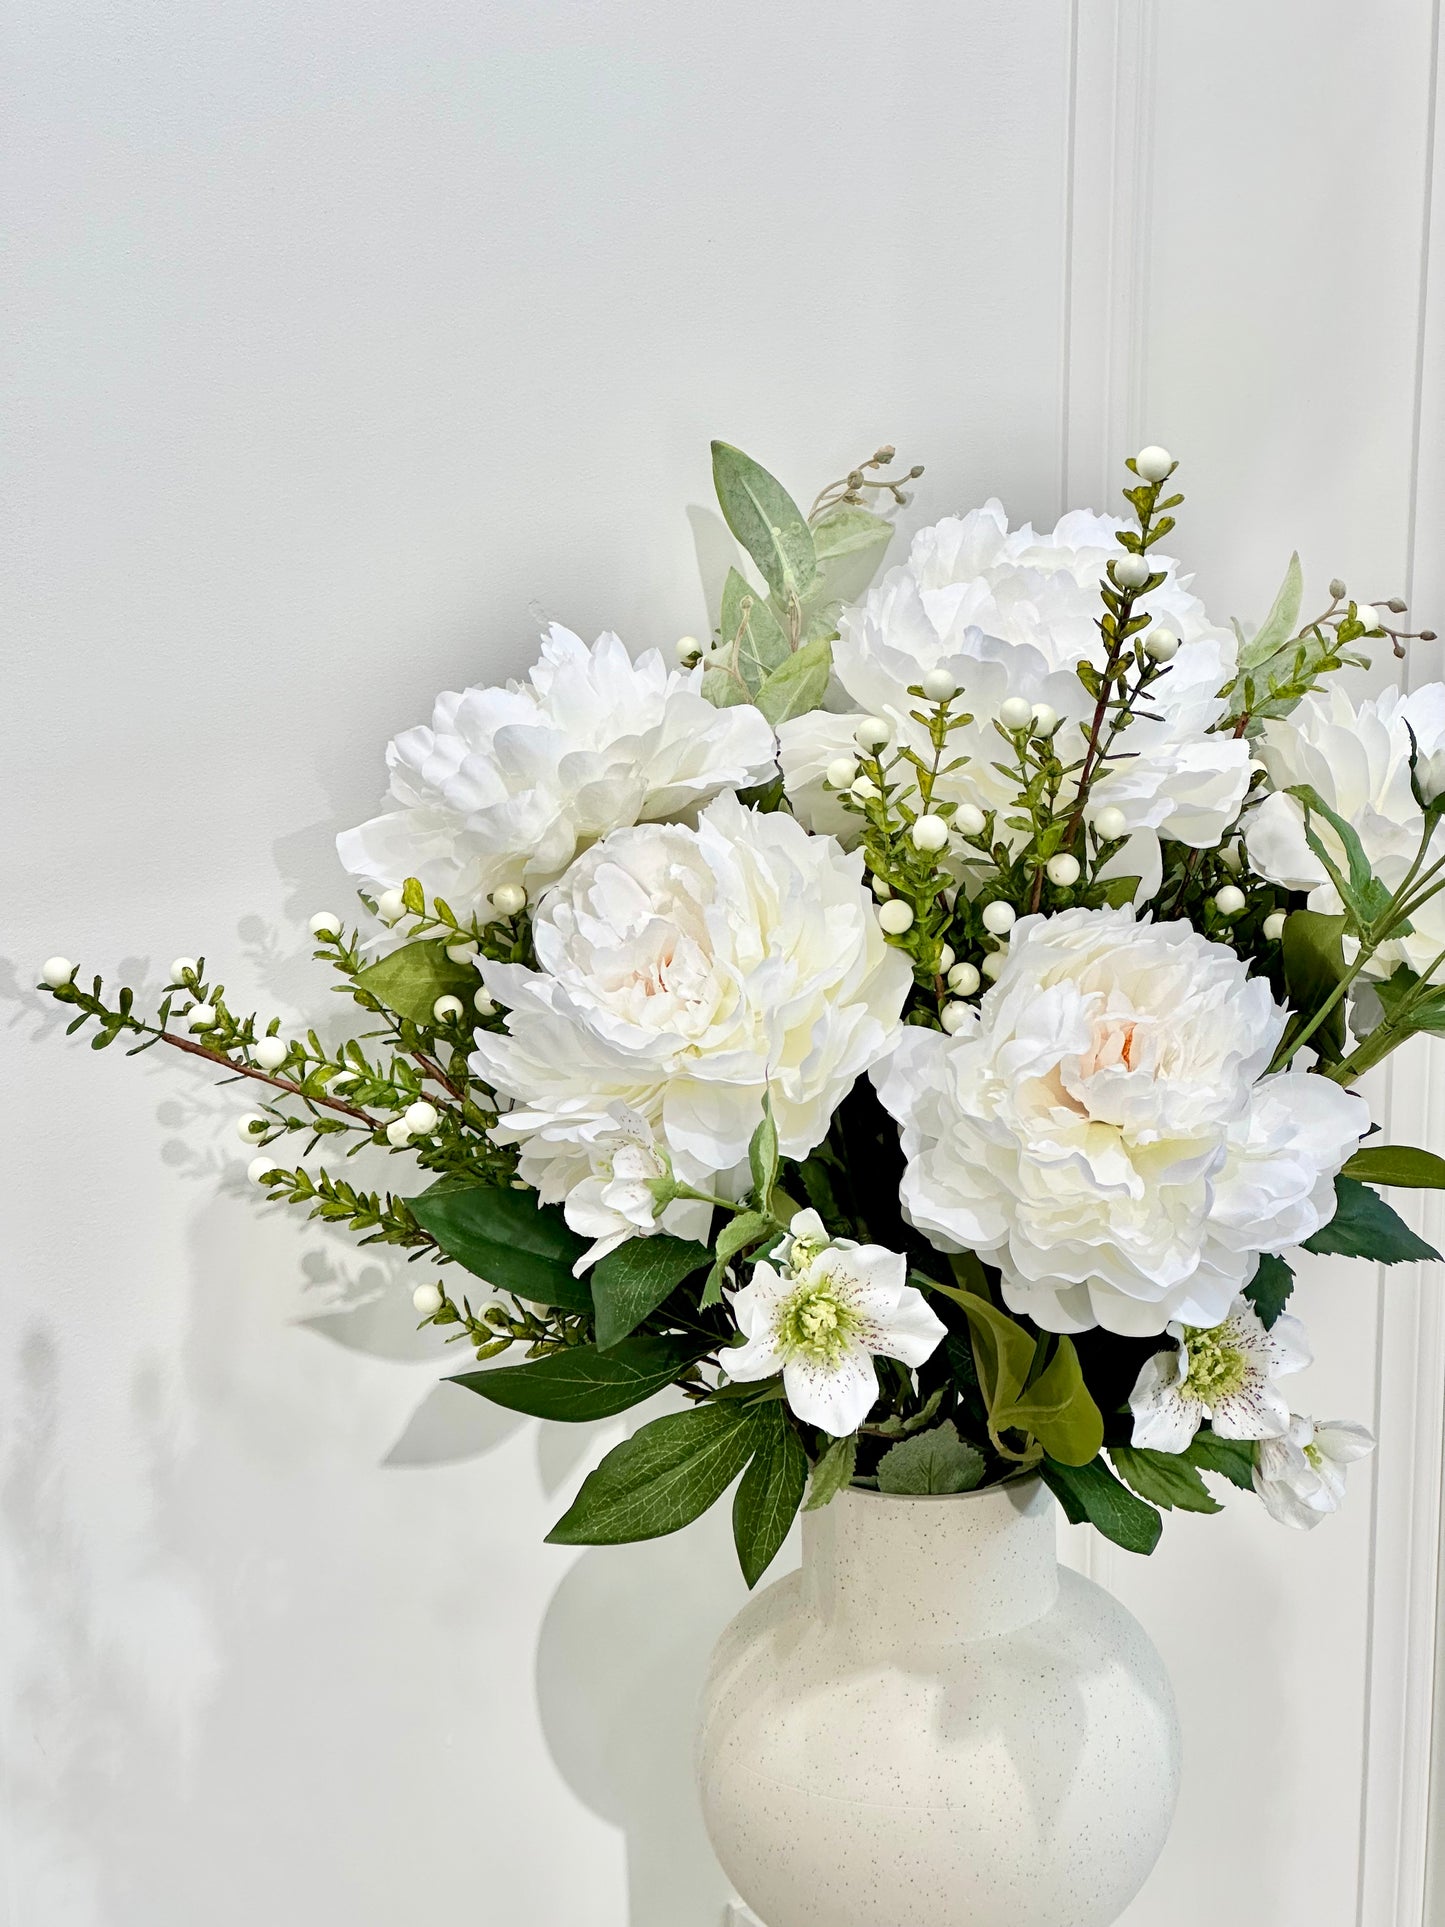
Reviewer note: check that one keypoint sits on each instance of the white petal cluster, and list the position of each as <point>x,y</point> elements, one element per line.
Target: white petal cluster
<point>687,974</point>
<point>508,784</point>
<point>619,1197</point>
<point>1227,1375</point>
<point>1357,757</point>
<point>820,1315</point>
<point>1006,616</point>
<point>1104,1130</point>
<point>1301,1477</point>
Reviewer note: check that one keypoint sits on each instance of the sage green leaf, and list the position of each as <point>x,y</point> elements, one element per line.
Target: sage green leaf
<point>938,1461</point>
<point>763,1157</point>
<point>723,689</point>
<point>1165,1478</point>
<point>766,520</point>
<point>847,527</point>
<point>1058,1410</point>
<point>749,627</point>
<point>770,1492</point>
<point>1091,1492</point>
<point>1364,1226</point>
<point>1232,1459</point>
<point>410,980</point>
<point>582,1383</point>
<point>832,1472</point>
<point>1361,891</point>
<point>800,684</point>
<point>1278,627</point>
<point>1399,1164</point>
<point>634,1279</point>
<point>1312,953</point>
<point>747,1228</point>
<point>662,1478</point>
<point>506,1237</point>
<point>1269,1290</point>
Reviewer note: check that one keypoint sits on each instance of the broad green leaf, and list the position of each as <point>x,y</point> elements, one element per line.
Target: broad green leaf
<point>1269,1289</point>
<point>1232,1459</point>
<point>633,1280</point>
<point>1279,625</point>
<point>1361,891</point>
<point>748,622</point>
<point>1399,1164</point>
<point>763,1157</point>
<point>662,1478</point>
<point>747,1228</point>
<point>1364,1226</point>
<point>1313,956</point>
<point>723,690</point>
<point>506,1237</point>
<point>938,1461</point>
<point>1058,1410</point>
<point>846,527</point>
<point>832,1472</point>
<point>410,980</point>
<point>800,684</point>
<point>1118,891</point>
<point>769,1493</point>
<point>1091,1492</point>
<point>1428,1014</point>
<point>1164,1478</point>
<point>1002,1350</point>
<point>582,1383</point>
<point>766,520</point>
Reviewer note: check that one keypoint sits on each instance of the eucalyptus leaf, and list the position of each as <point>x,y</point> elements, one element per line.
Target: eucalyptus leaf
<point>751,629</point>
<point>800,684</point>
<point>1277,630</point>
<point>769,1493</point>
<point>507,1238</point>
<point>410,980</point>
<point>723,689</point>
<point>766,520</point>
<point>581,1383</point>
<point>938,1461</point>
<point>662,1478</point>
<point>635,1278</point>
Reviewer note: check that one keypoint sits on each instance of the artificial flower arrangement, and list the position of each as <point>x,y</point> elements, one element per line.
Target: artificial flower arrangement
<point>915,1029</point>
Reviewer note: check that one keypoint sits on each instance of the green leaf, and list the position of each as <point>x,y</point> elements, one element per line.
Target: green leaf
<point>1091,1492</point>
<point>847,527</point>
<point>410,980</point>
<point>1361,891</point>
<point>1268,1291</point>
<point>662,1478</point>
<point>763,1157</point>
<point>832,1472</point>
<point>582,1383</point>
<point>800,684</point>
<point>767,1499</point>
<point>747,1228</point>
<point>750,623</point>
<point>1058,1410</point>
<point>1003,1351</point>
<point>1364,1226</point>
<point>1119,891</point>
<point>1166,1478</point>
<point>1399,1164</point>
<point>937,1461</point>
<point>766,520</point>
<point>1312,952</point>
<point>633,1280</point>
<point>723,690</point>
<point>1232,1459</point>
<point>506,1237</point>
<point>1279,625</point>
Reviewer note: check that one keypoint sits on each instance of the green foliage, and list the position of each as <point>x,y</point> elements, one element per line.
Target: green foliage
<point>410,980</point>
<point>1165,1478</point>
<point>739,1234</point>
<point>770,1491</point>
<point>506,1237</point>
<point>634,1279</point>
<point>748,623</point>
<point>1269,1289</point>
<point>662,1478</point>
<point>1361,891</point>
<point>581,1383</point>
<point>799,684</point>
<point>1232,1459</point>
<point>937,1461</point>
<point>1313,958</point>
<point>766,520</point>
<point>1364,1226</point>
<point>832,1472</point>
<point>1091,1493</point>
<point>763,1158</point>
<point>1397,1164</point>
<point>1057,1410</point>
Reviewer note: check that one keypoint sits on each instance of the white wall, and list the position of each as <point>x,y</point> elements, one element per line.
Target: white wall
<point>345,343</point>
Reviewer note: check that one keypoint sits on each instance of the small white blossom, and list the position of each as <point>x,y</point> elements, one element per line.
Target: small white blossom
<point>1301,1477</point>
<point>618,1199</point>
<point>1225,1374</point>
<point>819,1314</point>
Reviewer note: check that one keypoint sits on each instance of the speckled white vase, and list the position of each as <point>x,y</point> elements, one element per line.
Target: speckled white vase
<point>934,1725</point>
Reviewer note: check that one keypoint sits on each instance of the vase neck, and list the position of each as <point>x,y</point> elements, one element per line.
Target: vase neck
<point>931,1571</point>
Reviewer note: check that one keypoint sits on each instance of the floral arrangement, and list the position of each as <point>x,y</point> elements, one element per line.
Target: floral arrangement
<point>916,1028</point>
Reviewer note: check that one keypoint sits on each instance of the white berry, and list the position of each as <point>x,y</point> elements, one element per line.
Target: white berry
<point>427,1298</point>
<point>57,972</point>
<point>999,918</point>
<point>1229,901</point>
<point>259,1169</point>
<point>881,888</point>
<point>446,1010</point>
<point>509,899</point>
<point>930,833</point>
<point>688,650</point>
<point>964,979</point>
<point>993,963</point>
<point>895,917</point>
<point>421,1118</point>
<point>1015,713</point>
<point>863,789</point>
<point>1110,823</point>
<point>1274,925</point>
<point>953,1017</point>
<point>841,772</point>
<point>482,1003</point>
<point>873,733</point>
<point>1045,719</point>
<point>1161,645</point>
<point>201,1018</point>
<point>1369,616</point>
<point>969,820</point>
<point>183,967</point>
<point>1131,571</point>
<point>1062,870</point>
<point>326,923</point>
<point>1153,463</point>
<point>462,953</point>
<point>250,1125</point>
<point>270,1053</point>
<point>391,906</point>
<point>945,960</point>
<point>398,1132</point>
<point>938,686</point>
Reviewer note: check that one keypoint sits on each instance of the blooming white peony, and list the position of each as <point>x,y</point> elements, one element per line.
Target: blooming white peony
<point>509,783</point>
<point>1104,1131</point>
<point>1226,1375</point>
<point>1011,614</point>
<point>1358,760</point>
<point>687,973</point>
<point>820,1314</point>
<point>1301,1477</point>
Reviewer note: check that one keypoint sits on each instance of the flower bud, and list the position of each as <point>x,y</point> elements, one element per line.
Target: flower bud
<point>183,967</point>
<point>509,899</point>
<point>1161,645</point>
<point>969,820</point>
<point>260,1169</point>
<point>873,733</point>
<point>250,1125</point>
<point>270,1053</point>
<point>1229,901</point>
<point>428,1300</point>
<point>1110,823</point>
<point>895,917</point>
<point>964,979</point>
<point>953,1017</point>
<point>325,923</point>
<point>939,686</point>
<point>1045,719</point>
<point>1337,587</point>
<point>1131,571</point>
<point>446,1010</point>
<point>1274,925</point>
<point>421,1118</point>
<point>881,888</point>
<point>999,918</point>
<point>57,972</point>
<point>1062,870</point>
<point>1153,463</point>
<point>1014,713</point>
<point>841,772</point>
<point>929,834</point>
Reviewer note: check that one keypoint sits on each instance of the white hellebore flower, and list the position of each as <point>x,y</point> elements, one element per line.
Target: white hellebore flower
<point>1008,615</point>
<point>1358,761</point>
<point>1225,1374</point>
<point>687,974</point>
<point>1301,1477</point>
<point>1104,1129</point>
<point>509,783</point>
<point>617,1199</point>
<point>820,1314</point>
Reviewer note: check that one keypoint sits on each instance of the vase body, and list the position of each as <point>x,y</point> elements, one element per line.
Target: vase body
<point>932,1724</point>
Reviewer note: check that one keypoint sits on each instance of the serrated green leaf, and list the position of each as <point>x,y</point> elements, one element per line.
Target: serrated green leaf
<point>662,1478</point>
<point>832,1472</point>
<point>770,1492</point>
<point>635,1277</point>
<point>766,520</point>
<point>1364,1226</point>
<point>1232,1459</point>
<point>506,1237</point>
<point>931,1462</point>
<point>1091,1492</point>
<point>1398,1164</point>
<point>1058,1410</point>
<point>750,627</point>
<point>1269,1290</point>
<point>410,980</point>
<point>582,1384</point>
<point>800,684</point>
<point>1164,1478</point>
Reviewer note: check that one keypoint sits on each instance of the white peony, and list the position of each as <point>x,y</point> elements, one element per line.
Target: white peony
<point>1358,760</point>
<point>508,784</point>
<point>1226,1374</point>
<point>1104,1130</point>
<point>1301,1477</point>
<point>821,1314</point>
<point>687,973</point>
<point>1011,614</point>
